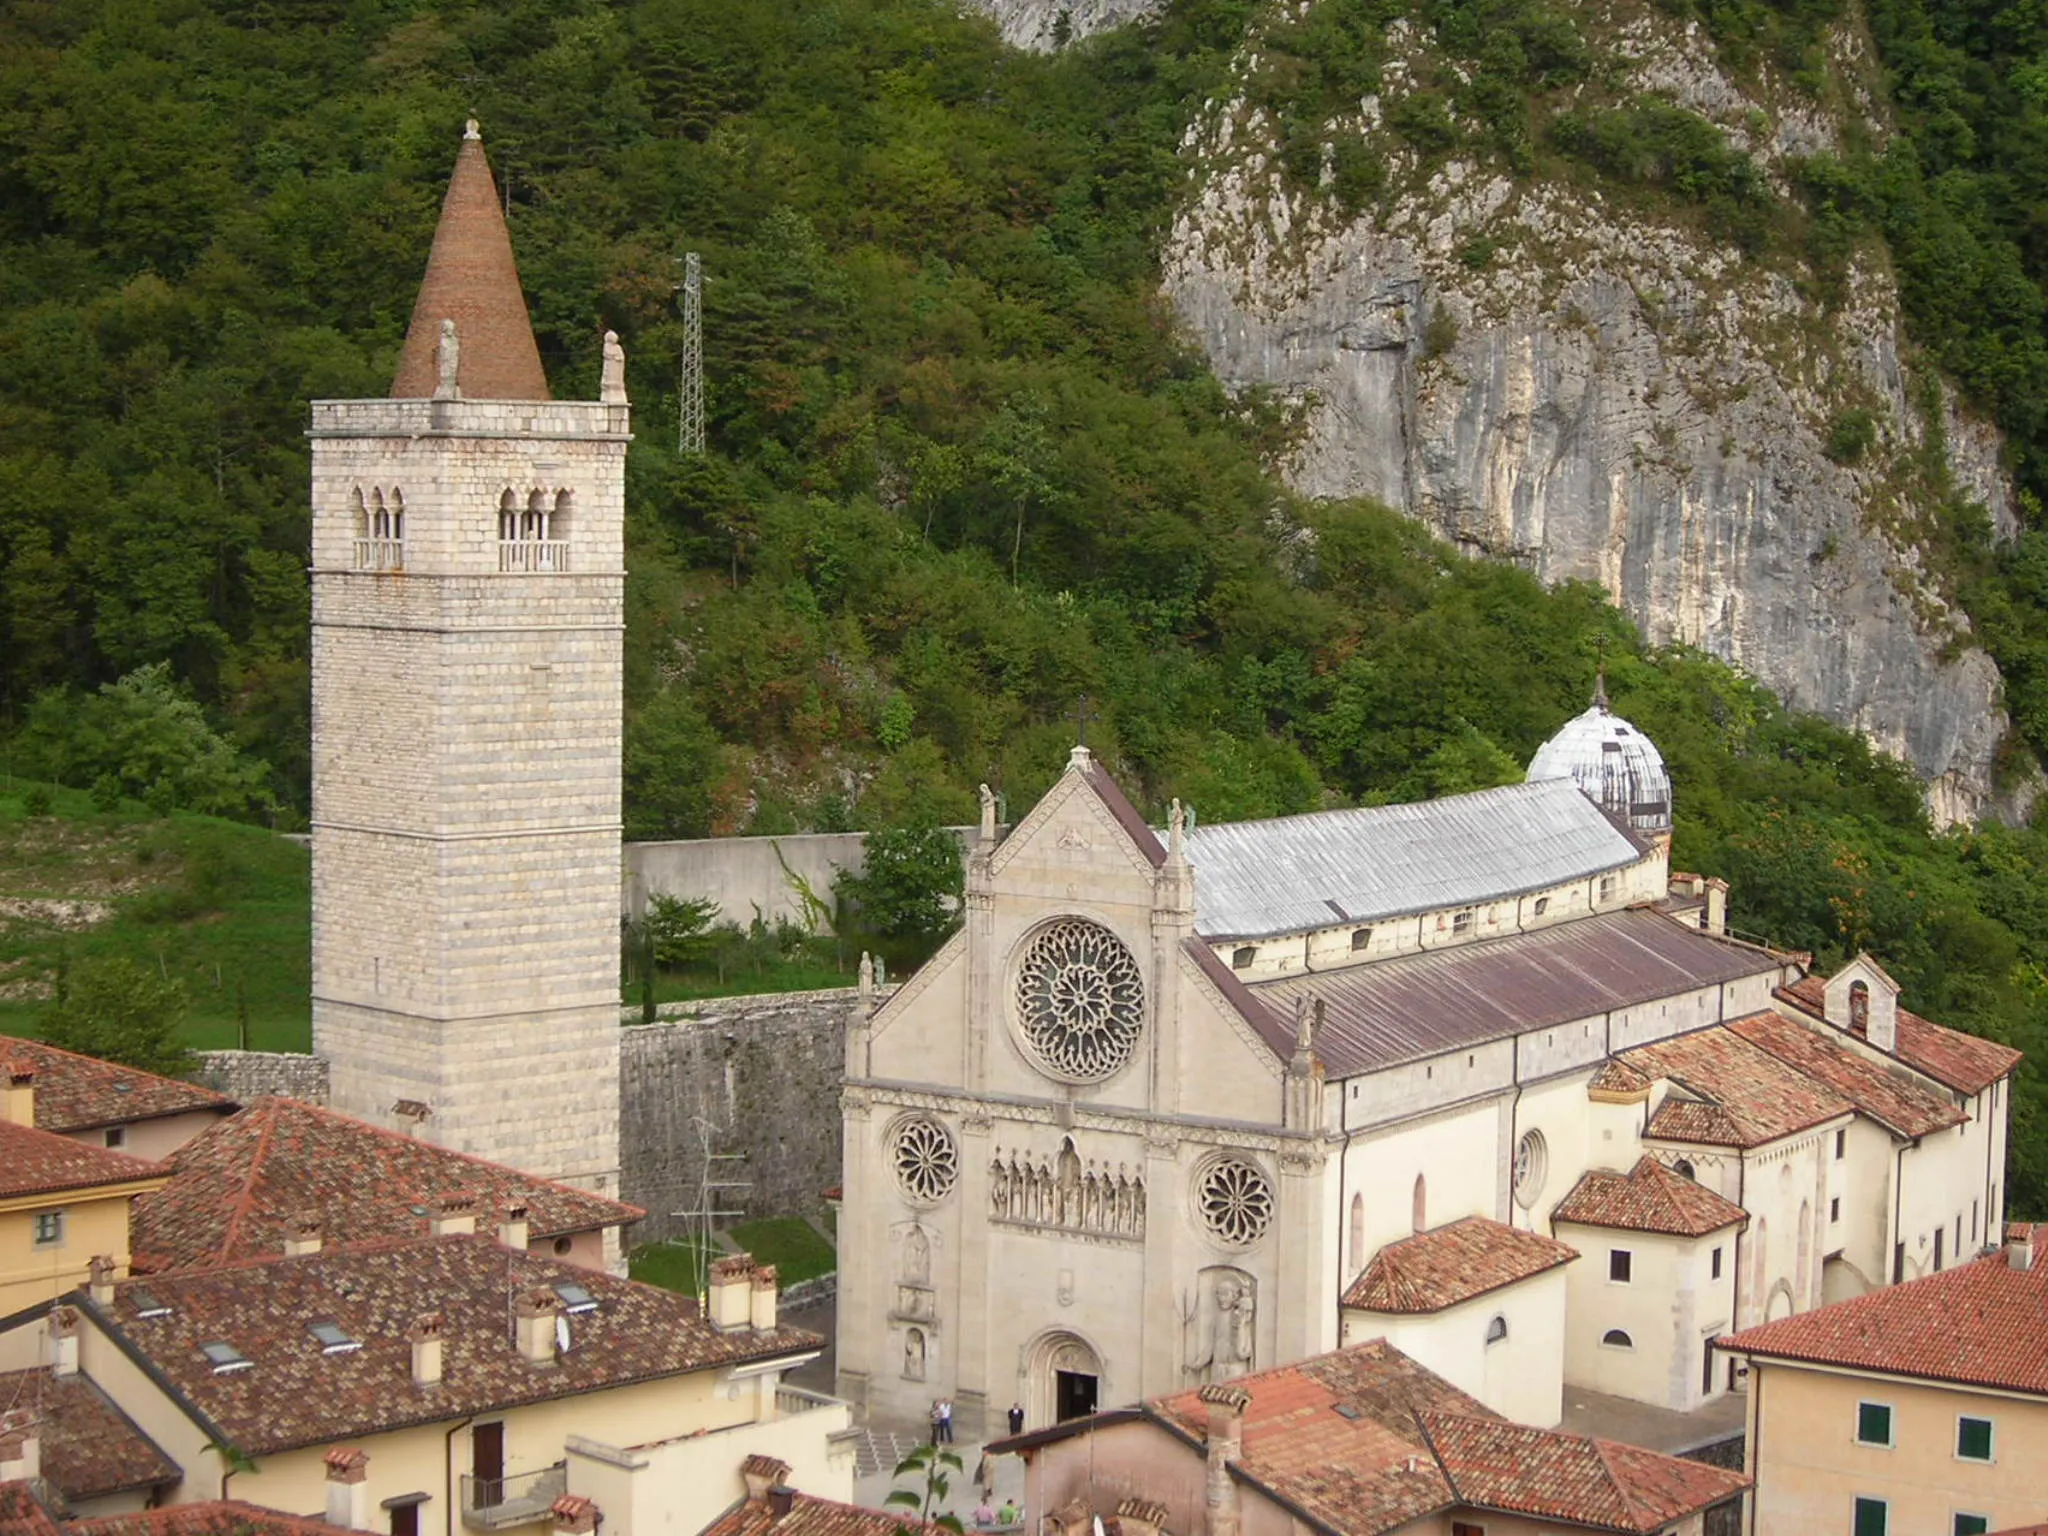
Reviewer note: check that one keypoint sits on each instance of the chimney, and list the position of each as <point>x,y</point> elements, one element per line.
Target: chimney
<point>762,1473</point>
<point>20,1106</point>
<point>425,1338</point>
<point>732,1287</point>
<point>1226,1443</point>
<point>1141,1517</point>
<point>781,1499</point>
<point>575,1515</point>
<point>1717,905</point>
<point>763,1310</point>
<point>534,1317</point>
<point>455,1216</point>
<point>21,1447</point>
<point>63,1341</point>
<point>2019,1246</point>
<point>348,1488</point>
<point>1073,1518</point>
<point>99,1279</point>
<point>512,1227</point>
<point>302,1238</point>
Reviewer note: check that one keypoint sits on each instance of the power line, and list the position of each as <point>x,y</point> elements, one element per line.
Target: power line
<point>690,412</point>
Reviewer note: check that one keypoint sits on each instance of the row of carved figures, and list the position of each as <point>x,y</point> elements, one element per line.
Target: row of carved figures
<point>1063,1192</point>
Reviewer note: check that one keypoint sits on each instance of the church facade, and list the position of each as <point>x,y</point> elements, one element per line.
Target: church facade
<point>1478,1075</point>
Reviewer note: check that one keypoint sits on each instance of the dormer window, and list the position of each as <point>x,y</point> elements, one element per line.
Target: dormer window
<point>533,533</point>
<point>1859,1009</point>
<point>379,528</point>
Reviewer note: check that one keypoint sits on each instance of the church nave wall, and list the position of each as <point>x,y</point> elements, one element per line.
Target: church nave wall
<point>1420,1174</point>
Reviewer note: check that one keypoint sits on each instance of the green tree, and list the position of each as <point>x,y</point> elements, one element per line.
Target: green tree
<point>118,1010</point>
<point>672,760</point>
<point>906,896</point>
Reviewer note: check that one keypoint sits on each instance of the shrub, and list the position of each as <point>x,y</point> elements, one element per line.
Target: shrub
<point>1853,434</point>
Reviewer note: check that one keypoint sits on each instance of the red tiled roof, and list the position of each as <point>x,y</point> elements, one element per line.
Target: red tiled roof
<point>90,1448</point>
<point>1967,1063</point>
<point>82,1093</point>
<point>238,1187</point>
<point>1495,1465</point>
<point>472,279</point>
<point>1981,1324</point>
<point>1453,1263</point>
<point>807,1516</point>
<point>1885,1095</point>
<point>215,1517</point>
<point>1750,1096</point>
<point>34,1162</point>
<point>1648,1198</point>
<point>22,1513</point>
<point>293,1393</point>
<point>1618,1077</point>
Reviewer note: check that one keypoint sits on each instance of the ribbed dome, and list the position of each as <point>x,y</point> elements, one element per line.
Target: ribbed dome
<point>1613,762</point>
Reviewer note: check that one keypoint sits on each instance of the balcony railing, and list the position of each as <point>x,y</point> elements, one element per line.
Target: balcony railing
<point>795,1400</point>
<point>499,1503</point>
<point>533,554</point>
<point>380,554</point>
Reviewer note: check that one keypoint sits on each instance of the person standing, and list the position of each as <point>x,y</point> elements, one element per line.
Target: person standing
<point>1016,1418</point>
<point>945,1421</point>
<point>938,1418</point>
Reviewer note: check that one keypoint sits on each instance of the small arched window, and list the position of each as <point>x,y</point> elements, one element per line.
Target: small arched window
<point>362,512</point>
<point>1361,940</point>
<point>1421,1203</point>
<point>1616,1338</point>
<point>1859,1009</point>
<point>1357,1233</point>
<point>508,517</point>
<point>1684,1168</point>
<point>1242,956</point>
<point>1497,1330</point>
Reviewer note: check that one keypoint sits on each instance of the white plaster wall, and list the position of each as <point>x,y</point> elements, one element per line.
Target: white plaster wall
<point>1521,1377</point>
<point>1457,1153</point>
<point>1670,1307</point>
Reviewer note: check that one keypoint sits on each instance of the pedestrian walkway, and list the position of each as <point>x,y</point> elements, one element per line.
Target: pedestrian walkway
<point>878,1452</point>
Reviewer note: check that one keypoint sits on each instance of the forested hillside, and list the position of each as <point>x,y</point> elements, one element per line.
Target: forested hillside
<point>963,469</point>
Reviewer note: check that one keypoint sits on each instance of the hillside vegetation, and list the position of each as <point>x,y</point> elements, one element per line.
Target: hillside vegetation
<point>964,469</point>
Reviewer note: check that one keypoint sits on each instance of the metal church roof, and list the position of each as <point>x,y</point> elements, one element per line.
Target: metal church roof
<point>1255,879</point>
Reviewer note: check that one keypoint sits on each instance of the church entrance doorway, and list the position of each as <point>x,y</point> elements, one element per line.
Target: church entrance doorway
<point>1073,1395</point>
<point>1062,1378</point>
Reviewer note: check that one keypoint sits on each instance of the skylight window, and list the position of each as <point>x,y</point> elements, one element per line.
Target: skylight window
<point>146,1304</point>
<point>334,1339</point>
<point>225,1357</point>
<point>575,1298</point>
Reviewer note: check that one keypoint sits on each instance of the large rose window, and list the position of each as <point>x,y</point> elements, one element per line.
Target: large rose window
<point>1080,1000</point>
<point>926,1160</point>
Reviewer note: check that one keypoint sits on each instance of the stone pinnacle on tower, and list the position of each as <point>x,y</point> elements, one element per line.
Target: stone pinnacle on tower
<point>473,280</point>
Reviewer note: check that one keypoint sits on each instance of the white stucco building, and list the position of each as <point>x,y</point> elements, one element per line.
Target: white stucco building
<point>1175,1106</point>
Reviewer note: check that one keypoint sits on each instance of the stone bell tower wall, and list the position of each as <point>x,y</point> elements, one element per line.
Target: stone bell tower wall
<point>466,751</point>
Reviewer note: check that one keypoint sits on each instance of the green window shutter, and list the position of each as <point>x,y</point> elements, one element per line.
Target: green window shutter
<point>1874,1423</point>
<point>1971,1525</point>
<point>1973,1439</point>
<point>1873,1517</point>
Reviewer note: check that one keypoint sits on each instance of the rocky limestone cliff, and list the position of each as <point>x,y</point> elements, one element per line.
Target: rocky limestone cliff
<point>1614,396</point>
<point>1043,25</point>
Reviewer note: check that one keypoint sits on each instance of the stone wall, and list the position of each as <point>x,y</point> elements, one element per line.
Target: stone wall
<point>744,875</point>
<point>765,1073</point>
<point>246,1075</point>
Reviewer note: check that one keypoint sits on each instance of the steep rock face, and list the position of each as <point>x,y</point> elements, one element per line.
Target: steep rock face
<point>1042,25</point>
<point>1617,398</point>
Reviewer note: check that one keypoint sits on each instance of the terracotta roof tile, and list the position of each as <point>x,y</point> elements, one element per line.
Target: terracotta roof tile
<point>1649,1198</point>
<point>807,1516</point>
<point>237,1188</point>
<point>215,1517</point>
<point>90,1448</point>
<point>1495,1465</point>
<point>1453,1263</point>
<point>22,1513</point>
<point>1618,1077</point>
<point>293,1393</point>
<point>472,279</point>
<point>82,1093</point>
<point>1981,1324</point>
<point>1885,1095</point>
<point>34,1162</point>
<point>1967,1063</point>
<point>1749,1096</point>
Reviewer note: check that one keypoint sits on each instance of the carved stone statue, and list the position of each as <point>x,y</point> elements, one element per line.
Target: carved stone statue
<point>1177,826</point>
<point>917,1257</point>
<point>613,389</point>
<point>1222,1327</point>
<point>448,363</point>
<point>867,976</point>
<point>988,814</point>
<point>913,1354</point>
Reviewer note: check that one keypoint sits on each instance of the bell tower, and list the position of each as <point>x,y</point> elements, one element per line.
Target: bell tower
<point>468,615</point>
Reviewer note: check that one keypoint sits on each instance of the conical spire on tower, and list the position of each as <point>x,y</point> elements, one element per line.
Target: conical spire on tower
<point>473,280</point>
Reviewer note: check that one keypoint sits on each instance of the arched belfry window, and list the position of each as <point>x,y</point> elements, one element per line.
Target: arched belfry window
<point>379,519</point>
<point>532,531</point>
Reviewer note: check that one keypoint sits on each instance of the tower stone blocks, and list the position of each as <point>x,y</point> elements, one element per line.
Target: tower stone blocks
<point>468,613</point>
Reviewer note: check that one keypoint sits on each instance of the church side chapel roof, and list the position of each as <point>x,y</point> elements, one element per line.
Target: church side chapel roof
<point>472,279</point>
<point>238,1187</point>
<point>1397,1010</point>
<point>1742,1095</point>
<point>1364,1440</point>
<point>90,1448</point>
<point>1648,1198</point>
<point>82,1093</point>
<point>1883,1094</point>
<point>1967,1063</point>
<point>1291,874</point>
<point>1451,1264</point>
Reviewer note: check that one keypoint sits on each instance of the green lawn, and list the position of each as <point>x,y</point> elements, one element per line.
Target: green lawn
<point>218,905</point>
<point>676,1266</point>
<point>788,1242</point>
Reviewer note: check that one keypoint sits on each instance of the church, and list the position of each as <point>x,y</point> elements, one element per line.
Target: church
<point>1481,1076</point>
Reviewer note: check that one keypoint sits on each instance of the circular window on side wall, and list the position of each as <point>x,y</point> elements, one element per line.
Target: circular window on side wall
<point>1532,1168</point>
<point>926,1159</point>
<point>1234,1200</point>
<point>1080,1000</point>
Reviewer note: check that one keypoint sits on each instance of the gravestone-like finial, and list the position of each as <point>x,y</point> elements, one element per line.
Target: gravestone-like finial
<point>472,129</point>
